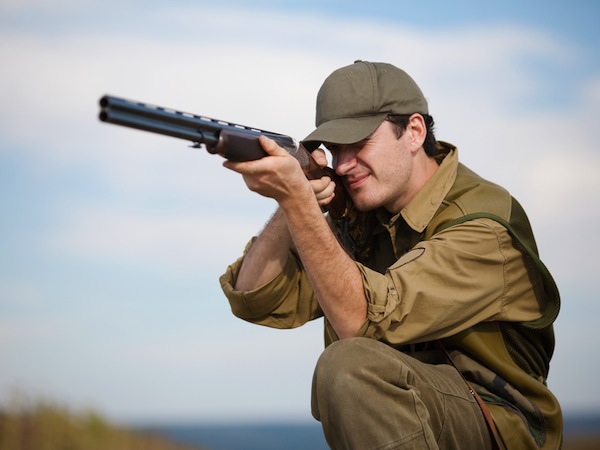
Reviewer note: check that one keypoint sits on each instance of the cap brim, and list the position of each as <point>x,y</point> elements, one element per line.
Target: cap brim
<point>347,130</point>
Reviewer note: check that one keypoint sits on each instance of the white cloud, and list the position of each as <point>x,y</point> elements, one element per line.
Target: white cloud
<point>566,179</point>
<point>178,243</point>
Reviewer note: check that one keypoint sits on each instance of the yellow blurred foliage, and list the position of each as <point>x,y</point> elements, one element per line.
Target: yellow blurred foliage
<point>47,426</point>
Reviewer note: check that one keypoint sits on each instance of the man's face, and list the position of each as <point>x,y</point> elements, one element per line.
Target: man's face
<point>377,171</point>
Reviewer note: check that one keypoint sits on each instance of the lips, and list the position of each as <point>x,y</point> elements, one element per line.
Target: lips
<point>355,181</point>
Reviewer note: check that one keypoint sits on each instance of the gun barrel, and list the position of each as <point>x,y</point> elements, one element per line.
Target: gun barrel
<point>158,120</point>
<point>198,129</point>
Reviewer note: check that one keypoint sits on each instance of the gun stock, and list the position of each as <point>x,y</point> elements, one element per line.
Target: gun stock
<point>231,141</point>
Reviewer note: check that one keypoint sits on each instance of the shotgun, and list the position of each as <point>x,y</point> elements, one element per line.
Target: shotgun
<point>231,141</point>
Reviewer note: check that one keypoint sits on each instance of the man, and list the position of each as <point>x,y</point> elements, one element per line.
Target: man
<point>438,312</point>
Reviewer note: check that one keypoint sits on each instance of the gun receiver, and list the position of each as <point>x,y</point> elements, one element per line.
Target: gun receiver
<point>232,141</point>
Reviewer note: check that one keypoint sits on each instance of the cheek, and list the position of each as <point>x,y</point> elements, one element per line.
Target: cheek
<point>395,172</point>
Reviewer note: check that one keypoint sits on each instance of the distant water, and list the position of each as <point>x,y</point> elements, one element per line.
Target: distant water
<point>247,437</point>
<point>299,436</point>
<point>582,423</point>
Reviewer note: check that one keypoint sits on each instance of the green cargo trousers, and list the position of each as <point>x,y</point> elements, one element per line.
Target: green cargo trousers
<point>370,396</point>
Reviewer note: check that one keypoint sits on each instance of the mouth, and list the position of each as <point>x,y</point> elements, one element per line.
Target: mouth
<point>354,182</point>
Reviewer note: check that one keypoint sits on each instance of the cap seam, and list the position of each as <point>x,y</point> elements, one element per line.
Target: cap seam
<point>374,83</point>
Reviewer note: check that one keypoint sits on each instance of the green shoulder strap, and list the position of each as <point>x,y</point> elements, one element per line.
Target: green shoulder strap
<point>553,306</point>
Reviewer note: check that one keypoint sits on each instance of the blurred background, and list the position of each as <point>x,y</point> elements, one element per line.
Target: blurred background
<point>112,240</point>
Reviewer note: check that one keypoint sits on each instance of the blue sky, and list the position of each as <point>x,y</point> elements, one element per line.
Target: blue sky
<point>113,240</point>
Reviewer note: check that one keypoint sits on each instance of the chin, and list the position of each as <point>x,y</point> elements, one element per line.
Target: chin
<point>364,206</point>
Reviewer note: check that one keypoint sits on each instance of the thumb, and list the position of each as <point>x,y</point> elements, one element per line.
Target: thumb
<point>319,156</point>
<point>271,147</point>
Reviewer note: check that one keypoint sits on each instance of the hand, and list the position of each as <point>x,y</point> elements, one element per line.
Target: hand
<point>324,188</point>
<point>277,175</point>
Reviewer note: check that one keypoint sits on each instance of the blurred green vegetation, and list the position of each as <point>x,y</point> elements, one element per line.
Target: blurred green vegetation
<point>43,425</point>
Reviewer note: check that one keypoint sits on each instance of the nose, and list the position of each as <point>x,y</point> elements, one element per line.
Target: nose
<point>343,160</point>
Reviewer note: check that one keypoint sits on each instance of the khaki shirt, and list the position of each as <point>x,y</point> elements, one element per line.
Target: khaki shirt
<point>416,290</point>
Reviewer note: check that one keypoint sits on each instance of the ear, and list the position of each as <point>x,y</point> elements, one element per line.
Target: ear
<point>417,131</point>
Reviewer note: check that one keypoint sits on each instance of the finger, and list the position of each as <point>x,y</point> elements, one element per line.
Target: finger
<point>271,147</point>
<point>319,156</point>
<point>239,167</point>
<point>323,188</point>
<point>325,200</point>
<point>320,184</point>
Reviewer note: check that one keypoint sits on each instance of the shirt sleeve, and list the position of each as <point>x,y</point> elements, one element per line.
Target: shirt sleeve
<point>287,301</point>
<point>464,275</point>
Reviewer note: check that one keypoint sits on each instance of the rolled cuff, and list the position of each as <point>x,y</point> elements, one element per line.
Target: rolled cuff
<point>260,302</point>
<point>286,301</point>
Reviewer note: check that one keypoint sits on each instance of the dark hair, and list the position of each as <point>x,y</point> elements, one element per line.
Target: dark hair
<point>400,121</point>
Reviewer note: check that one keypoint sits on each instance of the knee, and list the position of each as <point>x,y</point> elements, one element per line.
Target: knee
<point>333,379</point>
<point>339,357</point>
<point>342,366</point>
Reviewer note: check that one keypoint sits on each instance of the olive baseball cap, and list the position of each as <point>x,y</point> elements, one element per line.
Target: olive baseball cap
<point>354,100</point>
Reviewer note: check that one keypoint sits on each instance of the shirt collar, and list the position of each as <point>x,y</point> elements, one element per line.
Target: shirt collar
<point>421,209</point>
